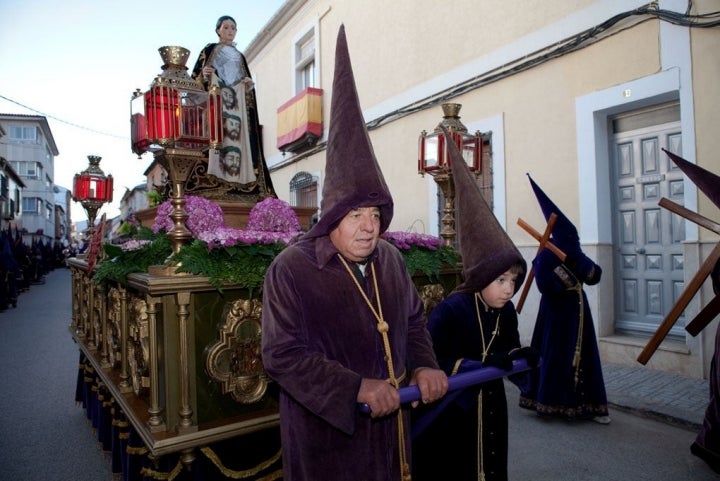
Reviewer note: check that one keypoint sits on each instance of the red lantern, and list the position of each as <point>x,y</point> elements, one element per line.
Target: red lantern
<point>139,135</point>
<point>92,185</point>
<point>176,112</point>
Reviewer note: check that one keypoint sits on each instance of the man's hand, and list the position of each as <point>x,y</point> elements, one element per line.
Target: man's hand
<point>433,384</point>
<point>382,398</point>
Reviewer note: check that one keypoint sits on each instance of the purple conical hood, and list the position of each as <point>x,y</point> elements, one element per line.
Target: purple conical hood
<point>564,233</point>
<point>352,175</point>
<point>706,181</point>
<point>486,249</point>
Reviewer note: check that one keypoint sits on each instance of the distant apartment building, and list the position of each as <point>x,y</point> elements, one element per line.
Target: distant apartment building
<point>11,186</point>
<point>63,220</point>
<point>29,148</point>
<point>133,200</point>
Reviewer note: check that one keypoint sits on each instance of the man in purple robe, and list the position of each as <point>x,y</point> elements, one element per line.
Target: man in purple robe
<point>342,321</point>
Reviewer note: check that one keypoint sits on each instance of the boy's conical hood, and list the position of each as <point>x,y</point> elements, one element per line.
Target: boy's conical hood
<point>486,249</point>
<point>352,175</point>
<point>564,233</point>
<point>705,180</point>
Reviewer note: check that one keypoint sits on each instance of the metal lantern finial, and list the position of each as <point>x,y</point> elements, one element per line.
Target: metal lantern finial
<point>433,159</point>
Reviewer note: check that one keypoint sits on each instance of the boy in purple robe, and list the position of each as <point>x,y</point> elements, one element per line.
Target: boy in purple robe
<point>342,321</point>
<point>474,326</point>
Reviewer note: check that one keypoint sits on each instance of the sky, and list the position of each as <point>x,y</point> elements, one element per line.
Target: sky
<point>78,62</point>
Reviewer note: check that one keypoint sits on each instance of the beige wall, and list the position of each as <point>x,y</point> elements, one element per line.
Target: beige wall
<point>406,51</point>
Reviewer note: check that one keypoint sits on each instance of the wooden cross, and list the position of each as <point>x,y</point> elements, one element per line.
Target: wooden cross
<point>544,240</point>
<point>709,312</point>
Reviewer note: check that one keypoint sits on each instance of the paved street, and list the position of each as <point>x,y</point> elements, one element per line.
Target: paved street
<point>45,436</point>
<point>631,448</point>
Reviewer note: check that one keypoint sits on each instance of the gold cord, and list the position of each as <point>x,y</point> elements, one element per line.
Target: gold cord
<point>383,329</point>
<point>495,332</point>
<point>486,348</point>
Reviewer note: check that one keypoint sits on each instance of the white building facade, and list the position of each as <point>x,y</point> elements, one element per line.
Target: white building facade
<point>30,150</point>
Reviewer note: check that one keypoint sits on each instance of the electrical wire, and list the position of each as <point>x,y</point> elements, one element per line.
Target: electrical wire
<point>63,121</point>
<point>572,44</point>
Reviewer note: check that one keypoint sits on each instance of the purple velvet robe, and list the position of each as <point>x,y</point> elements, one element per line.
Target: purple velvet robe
<point>477,419</point>
<point>707,442</point>
<point>319,340</point>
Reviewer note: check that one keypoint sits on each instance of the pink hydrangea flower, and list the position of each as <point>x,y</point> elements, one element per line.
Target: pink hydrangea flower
<point>203,215</point>
<point>406,240</point>
<point>273,215</point>
<point>133,244</point>
<point>270,221</point>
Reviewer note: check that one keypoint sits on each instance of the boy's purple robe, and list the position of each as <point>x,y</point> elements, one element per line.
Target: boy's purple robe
<point>319,339</point>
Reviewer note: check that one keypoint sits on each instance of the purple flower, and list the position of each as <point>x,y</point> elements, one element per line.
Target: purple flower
<point>229,236</point>
<point>271,221</point>
<point>133,245</point>
<point>203,215</point>
<point>273,215</point>
<point>406,240</point>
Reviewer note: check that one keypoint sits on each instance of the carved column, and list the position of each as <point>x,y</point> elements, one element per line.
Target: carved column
<point>124,385</point>
<point>183,313</point>
<point>156,422</point>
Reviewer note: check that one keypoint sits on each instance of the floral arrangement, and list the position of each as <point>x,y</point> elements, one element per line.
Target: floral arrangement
<point>241,256</point>
<point>422,252</point>
<point>203,216</point>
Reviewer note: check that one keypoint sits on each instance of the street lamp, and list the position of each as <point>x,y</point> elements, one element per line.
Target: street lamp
<point>92,188</point>
<point>433,159</point>
<point>176,120</point>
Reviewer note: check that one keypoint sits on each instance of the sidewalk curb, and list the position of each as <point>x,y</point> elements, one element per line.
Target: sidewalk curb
<point>657,415</point>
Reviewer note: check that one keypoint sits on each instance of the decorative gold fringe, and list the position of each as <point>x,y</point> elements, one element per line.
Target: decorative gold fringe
<point>136,451</point>
<point>163,476</point>
<point>229,473</point>
<point>247,472</point>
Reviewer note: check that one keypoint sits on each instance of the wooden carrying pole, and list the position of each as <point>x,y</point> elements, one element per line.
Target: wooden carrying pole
<point>691,289</point>
<point>544,239</point>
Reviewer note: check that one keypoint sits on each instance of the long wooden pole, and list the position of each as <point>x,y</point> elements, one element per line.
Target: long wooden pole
<point>531,275</point>
<point>689,215</point>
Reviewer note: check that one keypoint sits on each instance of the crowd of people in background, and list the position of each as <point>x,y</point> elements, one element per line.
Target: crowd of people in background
<point>23,265</point>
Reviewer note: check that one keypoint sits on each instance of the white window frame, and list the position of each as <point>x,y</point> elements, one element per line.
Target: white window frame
<point>24,134</point>
<point>301,61</point>
<point>31,202</point>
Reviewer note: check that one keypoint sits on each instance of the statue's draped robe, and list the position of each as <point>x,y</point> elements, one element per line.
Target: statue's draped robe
<point>319,339</point>
<point>255,176</point>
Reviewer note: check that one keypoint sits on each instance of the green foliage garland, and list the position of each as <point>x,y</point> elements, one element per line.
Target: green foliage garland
<point>242,264</point>
<point>429,261</point>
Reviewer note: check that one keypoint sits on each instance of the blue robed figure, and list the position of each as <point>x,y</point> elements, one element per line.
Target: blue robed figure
<point>569,384</point>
